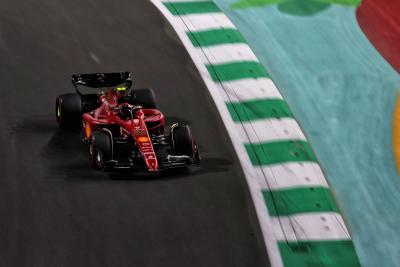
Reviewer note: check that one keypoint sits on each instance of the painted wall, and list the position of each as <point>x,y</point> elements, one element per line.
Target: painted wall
<point>343,93</point>
<point>380,21</point>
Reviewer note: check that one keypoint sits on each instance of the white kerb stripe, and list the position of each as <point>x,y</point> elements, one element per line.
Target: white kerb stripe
<point>248,89</point>
<point>270,130</point>
<point>226,53</point>
<point>290,175</point>
<point>311,226</point>
<point>207,21</point>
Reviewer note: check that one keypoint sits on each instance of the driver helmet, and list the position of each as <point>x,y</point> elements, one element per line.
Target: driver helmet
<point>121,91</point>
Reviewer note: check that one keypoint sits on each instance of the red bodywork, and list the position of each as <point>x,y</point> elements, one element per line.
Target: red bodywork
<point>144,123</point>
<point>380,21</point>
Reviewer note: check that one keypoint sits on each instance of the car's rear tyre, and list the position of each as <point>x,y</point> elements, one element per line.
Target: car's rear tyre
<point>100,149</point>
<point>144,97</point>
<point>182,141</point>
<point>68,111</point>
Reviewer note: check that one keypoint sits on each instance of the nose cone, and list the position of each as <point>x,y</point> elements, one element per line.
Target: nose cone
<point>152,163</point>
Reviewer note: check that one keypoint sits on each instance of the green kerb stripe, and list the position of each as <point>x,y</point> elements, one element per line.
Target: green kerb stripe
<point>259,109</point>
<point>215,37</point>
<point>279,152</point>
<point>236,70</point>
<point>184,8</point>
<point>299,200</point>
<point>332,253</point>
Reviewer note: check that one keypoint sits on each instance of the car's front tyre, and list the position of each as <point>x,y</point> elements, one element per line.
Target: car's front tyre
<point>100,149</point>
<point>182,142</point>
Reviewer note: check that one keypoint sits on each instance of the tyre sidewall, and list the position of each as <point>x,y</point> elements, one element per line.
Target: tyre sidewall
<point>68,111</point>
<point>100,143</point>
<point>182,141</point>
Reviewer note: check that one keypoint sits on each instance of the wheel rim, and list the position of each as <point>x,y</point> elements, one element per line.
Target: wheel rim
<point>99,159</point>
<point>58,111</point>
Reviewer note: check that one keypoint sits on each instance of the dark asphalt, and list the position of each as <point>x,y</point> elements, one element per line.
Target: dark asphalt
<point>54,209</point>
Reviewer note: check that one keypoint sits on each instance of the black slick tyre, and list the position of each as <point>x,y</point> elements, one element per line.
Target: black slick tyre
<point>100,149</point>
<point>144,97</point>
<point>68,111</point>
<point>182,141</point>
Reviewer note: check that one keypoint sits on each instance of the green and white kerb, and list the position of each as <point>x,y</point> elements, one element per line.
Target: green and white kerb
<point>298,215</point>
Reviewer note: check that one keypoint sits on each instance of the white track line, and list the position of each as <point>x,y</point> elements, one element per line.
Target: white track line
<point>248,89</point>
<point>226,53</point>
<point>290,175</point>
<point>311,226</point>
<point>269,130</point>
<point>209,21</point>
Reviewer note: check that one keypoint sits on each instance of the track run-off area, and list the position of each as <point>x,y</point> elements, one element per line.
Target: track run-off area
<point>342,89</point>
<point>54,209</point>
<point>298,214</point>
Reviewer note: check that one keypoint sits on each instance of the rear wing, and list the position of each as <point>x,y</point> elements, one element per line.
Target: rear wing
<point>99,80</point>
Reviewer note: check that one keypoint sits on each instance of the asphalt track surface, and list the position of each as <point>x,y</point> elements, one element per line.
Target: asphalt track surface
<point>54,209</point>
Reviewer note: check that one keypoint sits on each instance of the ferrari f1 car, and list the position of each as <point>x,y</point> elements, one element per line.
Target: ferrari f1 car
<point>122,127</point>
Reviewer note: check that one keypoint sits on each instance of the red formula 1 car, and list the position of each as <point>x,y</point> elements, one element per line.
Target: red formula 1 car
<point>123,128</point>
